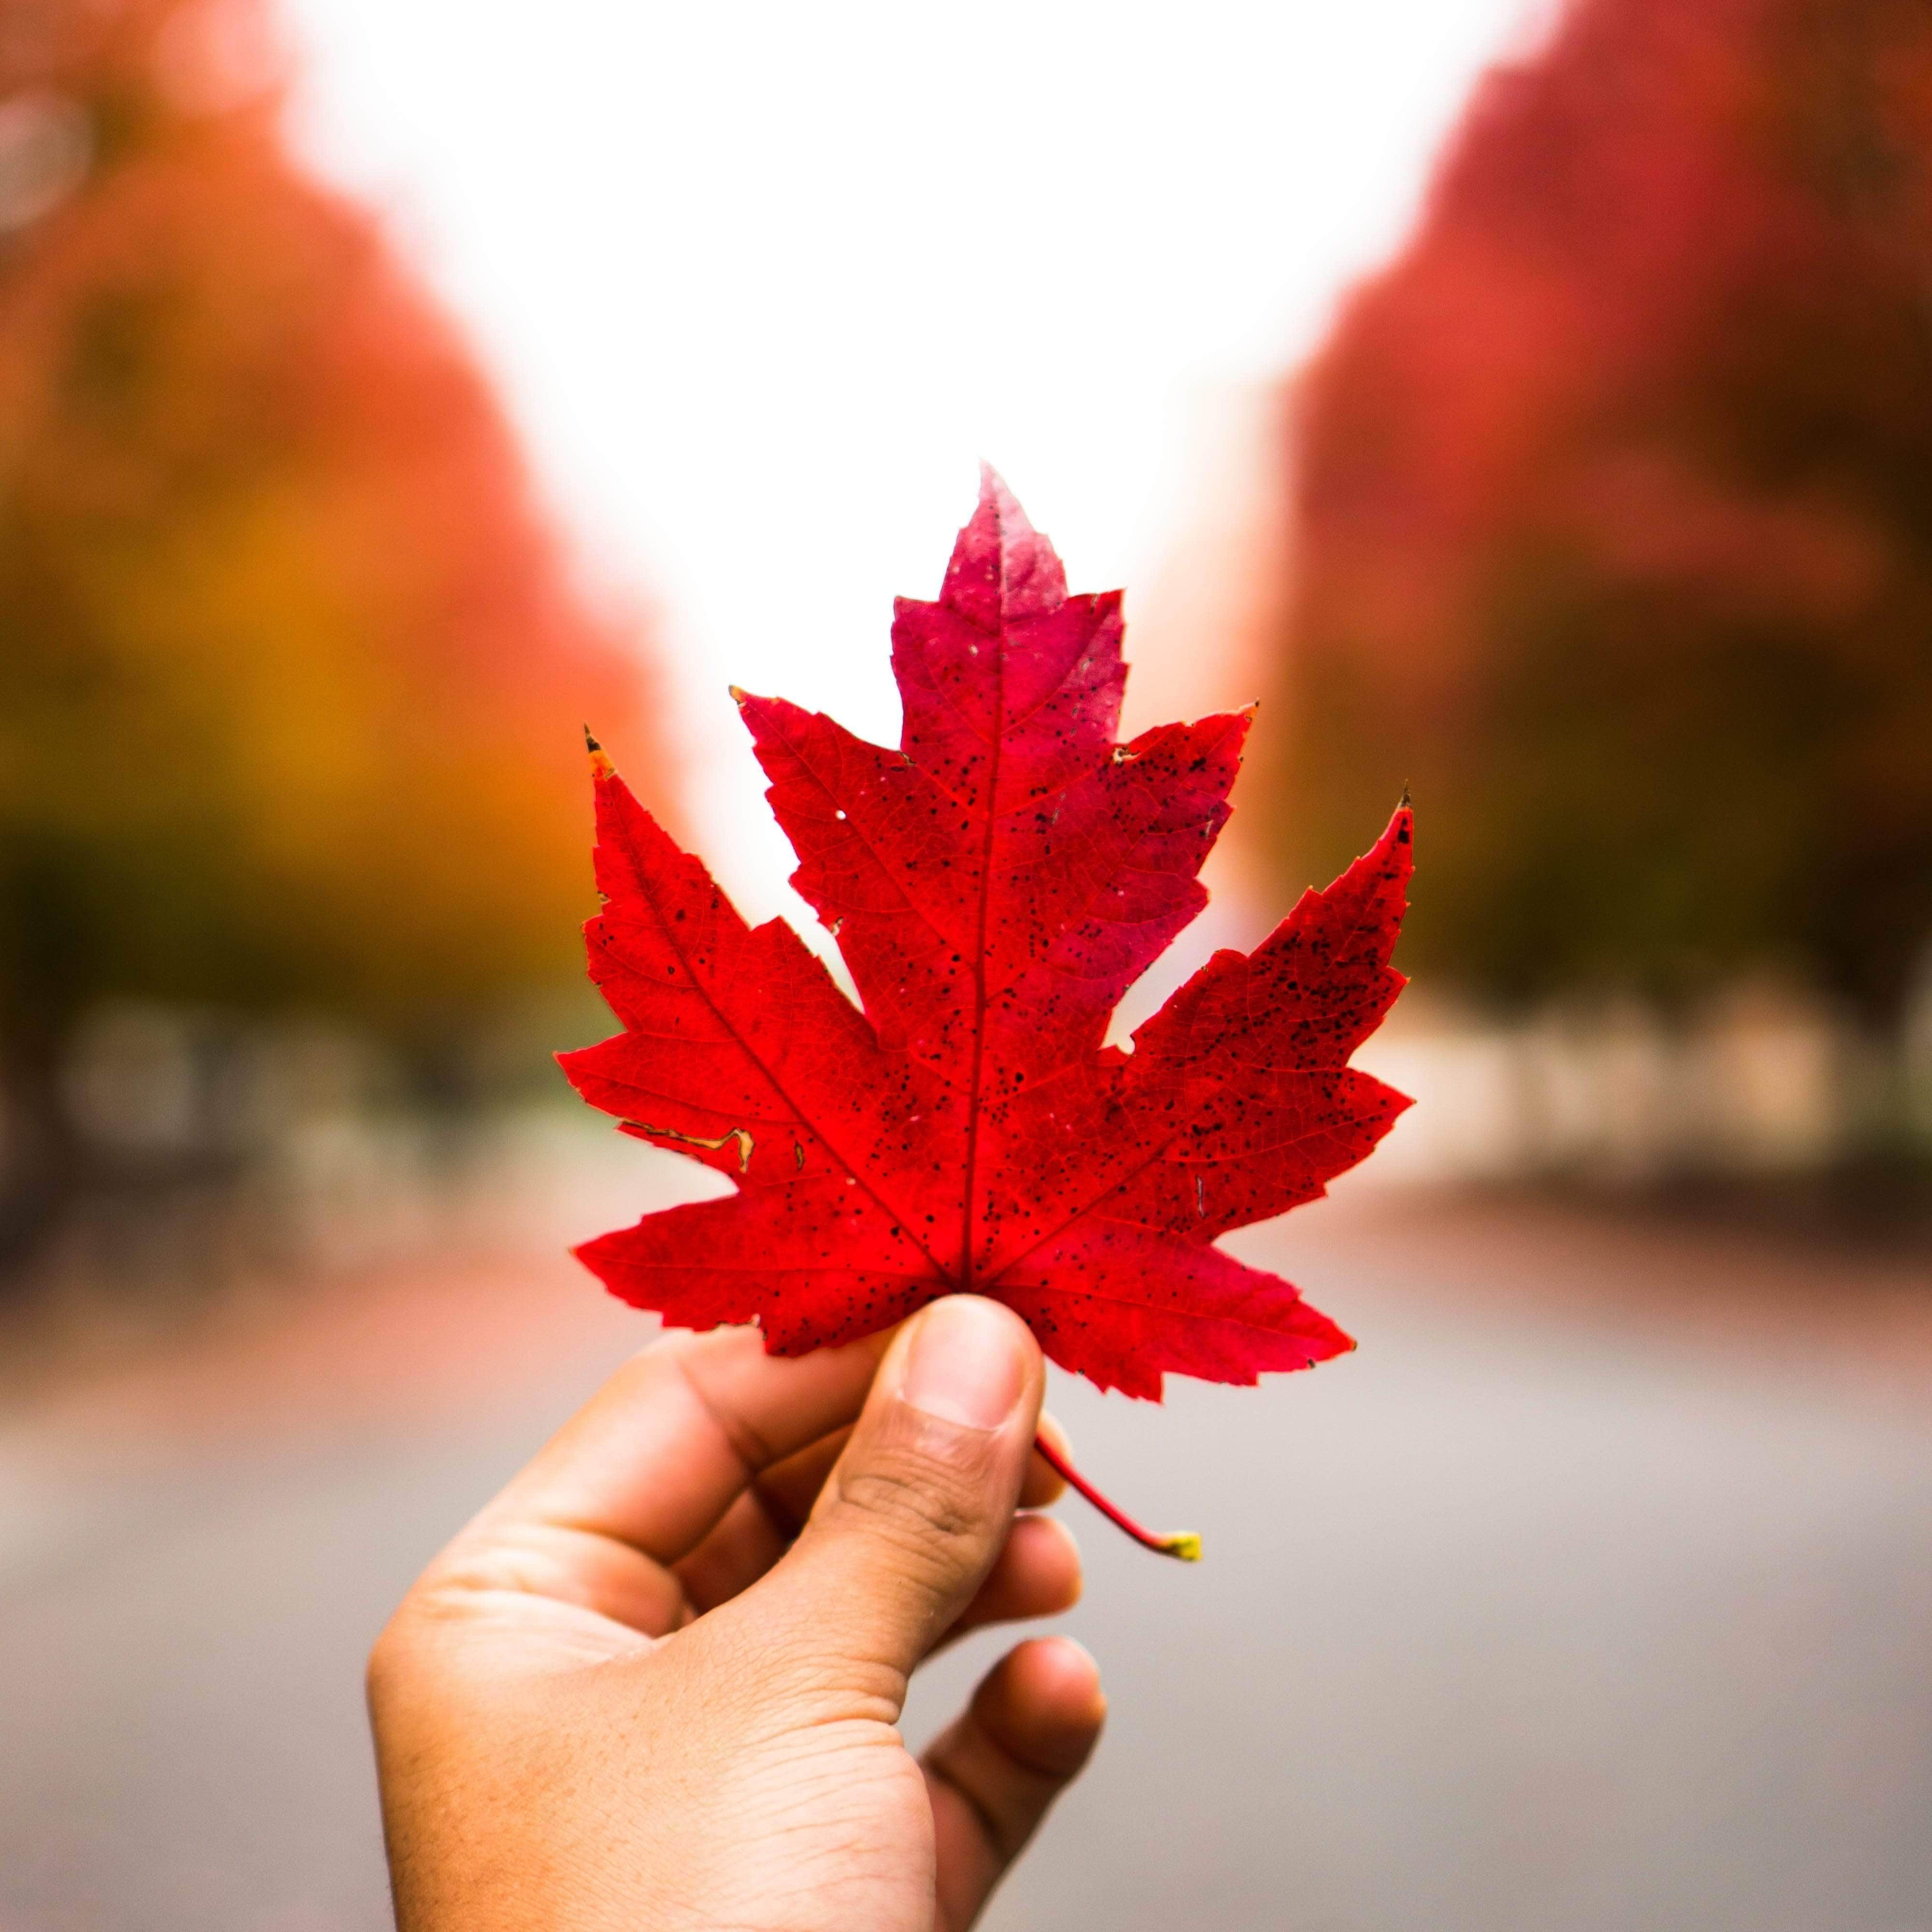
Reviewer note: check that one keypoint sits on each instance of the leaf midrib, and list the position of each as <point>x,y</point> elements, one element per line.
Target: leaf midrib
<point>967,1221</point>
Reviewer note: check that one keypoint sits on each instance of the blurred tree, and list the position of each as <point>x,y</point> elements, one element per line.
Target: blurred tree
<point>291,670</point>
<point>1614,535</point>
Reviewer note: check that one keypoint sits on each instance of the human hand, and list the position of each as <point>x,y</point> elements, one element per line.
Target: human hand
<point>625,1697</point>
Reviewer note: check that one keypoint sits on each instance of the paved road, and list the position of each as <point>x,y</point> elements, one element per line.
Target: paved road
<point>1595,1594</point>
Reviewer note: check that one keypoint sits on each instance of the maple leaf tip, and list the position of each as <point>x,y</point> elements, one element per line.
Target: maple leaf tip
<point>1404,805</point>
<point>739,693</point>
<point>996,494</point>
<point>601,766</point>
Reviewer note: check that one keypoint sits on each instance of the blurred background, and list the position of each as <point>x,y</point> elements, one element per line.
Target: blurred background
<point>1531,404</point>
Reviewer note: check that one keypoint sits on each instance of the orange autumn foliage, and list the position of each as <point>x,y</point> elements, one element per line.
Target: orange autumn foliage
<point>293,669</point>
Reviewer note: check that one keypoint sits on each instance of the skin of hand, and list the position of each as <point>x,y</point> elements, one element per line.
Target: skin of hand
<point>655,1685</point>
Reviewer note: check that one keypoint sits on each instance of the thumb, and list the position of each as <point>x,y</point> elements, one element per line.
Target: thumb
<point>922,1500</point>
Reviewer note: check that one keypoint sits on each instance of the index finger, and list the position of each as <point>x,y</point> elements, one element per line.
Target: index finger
<point>663,1450</point>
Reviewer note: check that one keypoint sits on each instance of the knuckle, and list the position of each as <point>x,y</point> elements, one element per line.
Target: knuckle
<point>410,1658</point>
<point>935,1514</point>
<point>901,1499</point>
<point>388,1667</point>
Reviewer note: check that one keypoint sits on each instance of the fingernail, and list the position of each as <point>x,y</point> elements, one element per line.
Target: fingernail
<point>966,1364</point>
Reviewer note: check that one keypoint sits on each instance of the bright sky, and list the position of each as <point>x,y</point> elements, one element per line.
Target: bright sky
<point>762,282</point>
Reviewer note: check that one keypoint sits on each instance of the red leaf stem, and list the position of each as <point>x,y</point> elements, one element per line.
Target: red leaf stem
<point>1181,1543</point>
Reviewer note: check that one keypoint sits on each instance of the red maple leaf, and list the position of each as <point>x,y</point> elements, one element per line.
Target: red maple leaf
<point>995,885</point>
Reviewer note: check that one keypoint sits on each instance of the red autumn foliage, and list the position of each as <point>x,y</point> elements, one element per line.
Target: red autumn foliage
<point>994,885</point>
<point>1614,529</point>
